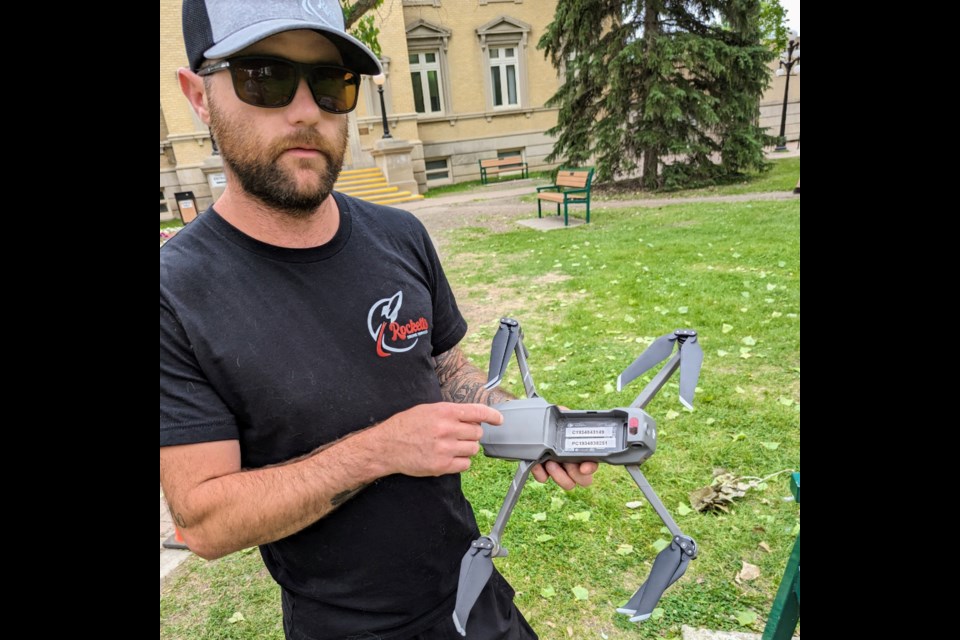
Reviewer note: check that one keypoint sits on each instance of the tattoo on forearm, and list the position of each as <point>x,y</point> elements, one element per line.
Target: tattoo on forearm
<point>343,496</point>
<point>460,381</point>
<point>178,518</point>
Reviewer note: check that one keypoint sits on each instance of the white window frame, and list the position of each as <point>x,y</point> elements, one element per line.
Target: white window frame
<point>426,37</point>
<point>500,62</point>
<point>500,34</point>
<point>424,68</point>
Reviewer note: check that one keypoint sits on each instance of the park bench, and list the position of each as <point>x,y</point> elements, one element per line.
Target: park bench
<point>494,166</point>
<point>785,613</point>
<point>571,187</point>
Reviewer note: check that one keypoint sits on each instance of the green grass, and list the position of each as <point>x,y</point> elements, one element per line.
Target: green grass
<point>782,176</point>
<point>589,300</point>
<point>472,185</point>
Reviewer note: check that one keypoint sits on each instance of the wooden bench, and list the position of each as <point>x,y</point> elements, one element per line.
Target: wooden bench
<point>785,613</point>
<point>572,187</point>
<point>493,166</point>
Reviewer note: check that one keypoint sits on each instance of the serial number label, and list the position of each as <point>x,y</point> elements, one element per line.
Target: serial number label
<point>589,438</point>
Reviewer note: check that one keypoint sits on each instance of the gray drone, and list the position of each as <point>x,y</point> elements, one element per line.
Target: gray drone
<point>535,431</point>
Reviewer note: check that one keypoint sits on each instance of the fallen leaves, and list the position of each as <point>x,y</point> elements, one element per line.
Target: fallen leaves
<point>726,487</point>
<point>747,572</point>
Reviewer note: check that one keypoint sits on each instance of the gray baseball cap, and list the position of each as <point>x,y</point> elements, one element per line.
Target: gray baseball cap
<point>219,28</point>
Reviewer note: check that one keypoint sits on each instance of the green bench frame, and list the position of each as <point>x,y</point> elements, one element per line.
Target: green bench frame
<point>785,613</point>
<point>494,166</point>
<point>571,187</point>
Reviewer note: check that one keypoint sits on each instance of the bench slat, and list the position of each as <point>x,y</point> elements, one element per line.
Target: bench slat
<point>501,162</point>
<point>572,186</point>
<point>579,181</point>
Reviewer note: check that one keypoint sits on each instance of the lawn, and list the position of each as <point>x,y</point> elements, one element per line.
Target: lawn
<point>589,300</point>
<point>473,185</point>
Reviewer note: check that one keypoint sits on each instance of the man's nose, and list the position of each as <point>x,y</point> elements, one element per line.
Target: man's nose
<point>303,107</point>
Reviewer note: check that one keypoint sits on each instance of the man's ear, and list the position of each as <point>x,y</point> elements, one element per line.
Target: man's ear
<point>192,86</point>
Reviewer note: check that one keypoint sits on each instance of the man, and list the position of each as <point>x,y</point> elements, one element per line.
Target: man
<point>313,399</point>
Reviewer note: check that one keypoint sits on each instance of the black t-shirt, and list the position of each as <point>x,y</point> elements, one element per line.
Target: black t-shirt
<point>288,349</point>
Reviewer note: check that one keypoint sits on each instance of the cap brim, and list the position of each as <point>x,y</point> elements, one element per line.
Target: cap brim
<point>355,54</point>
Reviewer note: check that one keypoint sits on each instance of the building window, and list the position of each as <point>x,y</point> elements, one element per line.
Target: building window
<point>509,153</point>
<point>425,75</point>
<point>503,76</point>
<point>438,170</point>
<point>427,44</point>
<point>372,96</point>
<point>163,202</point>
<point>503,45</point>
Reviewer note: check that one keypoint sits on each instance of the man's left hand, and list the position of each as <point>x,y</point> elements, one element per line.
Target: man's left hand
<point>567,475</point>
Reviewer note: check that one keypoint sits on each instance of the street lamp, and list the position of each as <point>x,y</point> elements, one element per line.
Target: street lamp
<point>378,80</point>
<point>788,65</point>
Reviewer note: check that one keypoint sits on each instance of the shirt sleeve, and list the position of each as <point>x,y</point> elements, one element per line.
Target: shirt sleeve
<point>191,411</point>
<point>450,325</point>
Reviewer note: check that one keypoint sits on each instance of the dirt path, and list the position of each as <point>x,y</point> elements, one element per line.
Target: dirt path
<point>443,215</point>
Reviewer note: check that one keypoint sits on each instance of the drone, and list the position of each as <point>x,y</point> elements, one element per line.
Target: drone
<point>535,431</point>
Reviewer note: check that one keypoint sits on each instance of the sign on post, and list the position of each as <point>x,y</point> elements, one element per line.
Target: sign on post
<point>187,205</point>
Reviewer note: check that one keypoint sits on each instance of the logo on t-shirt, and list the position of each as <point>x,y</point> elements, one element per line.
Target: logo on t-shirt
<point>390,335</point>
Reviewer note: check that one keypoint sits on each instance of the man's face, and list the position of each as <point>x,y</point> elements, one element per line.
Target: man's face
<point>288,157</point>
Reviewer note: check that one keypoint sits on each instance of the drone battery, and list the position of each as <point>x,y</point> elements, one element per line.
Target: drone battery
<point>590,432</point>
<point>534,429</point>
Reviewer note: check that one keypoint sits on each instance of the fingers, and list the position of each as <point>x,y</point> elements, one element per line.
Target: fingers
<point>581,473</point>
<point>434,439</point>
<point>568,475</point>
<point>560,475</point>
<point>539,473</point>
<point>477,413</point>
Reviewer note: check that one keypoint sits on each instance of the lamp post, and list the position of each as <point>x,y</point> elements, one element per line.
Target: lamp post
<point>788,65</point>
<point>378,80</point>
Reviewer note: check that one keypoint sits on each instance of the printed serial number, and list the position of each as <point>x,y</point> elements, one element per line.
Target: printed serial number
<point>590,432</point>
<point>583,444</point>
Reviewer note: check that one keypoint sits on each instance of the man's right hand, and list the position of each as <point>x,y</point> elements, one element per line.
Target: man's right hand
<point>432,439</point>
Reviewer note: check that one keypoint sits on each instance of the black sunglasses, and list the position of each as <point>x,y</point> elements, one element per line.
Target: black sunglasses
<point>266,81</point>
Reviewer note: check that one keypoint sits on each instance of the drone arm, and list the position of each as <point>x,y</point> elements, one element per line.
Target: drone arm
<point>656,384</point>
<point>522,354</point>
<point>653,499</point>
<point>513,495</point>
<point>669,564</point>
<point>477,564</point>
<point>509,337</point>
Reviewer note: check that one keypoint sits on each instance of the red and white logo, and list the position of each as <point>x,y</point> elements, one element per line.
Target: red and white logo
<point>391,336</point>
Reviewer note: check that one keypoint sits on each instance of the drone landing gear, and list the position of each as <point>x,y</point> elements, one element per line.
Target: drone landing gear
<point>477,565</point>
<point>669,564</point>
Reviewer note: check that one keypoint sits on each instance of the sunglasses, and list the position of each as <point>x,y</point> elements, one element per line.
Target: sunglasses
<point>266,81</point>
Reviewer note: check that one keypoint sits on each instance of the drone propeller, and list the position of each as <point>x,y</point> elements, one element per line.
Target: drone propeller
<point>690,355</point>
<point>656,353</point>
<point>503,345</point>
<point>669,565</point>
<point>475,570</point>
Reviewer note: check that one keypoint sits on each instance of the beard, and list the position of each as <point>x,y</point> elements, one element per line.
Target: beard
<point>255,163</point>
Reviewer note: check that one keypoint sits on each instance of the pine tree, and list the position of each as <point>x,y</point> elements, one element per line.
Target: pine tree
<point>662,84</point>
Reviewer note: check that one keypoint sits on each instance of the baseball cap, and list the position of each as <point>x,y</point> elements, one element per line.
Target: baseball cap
<point>219,28</point>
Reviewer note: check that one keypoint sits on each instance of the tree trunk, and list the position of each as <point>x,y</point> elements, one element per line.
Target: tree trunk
<point>357,9</point>
<point>651,29</point>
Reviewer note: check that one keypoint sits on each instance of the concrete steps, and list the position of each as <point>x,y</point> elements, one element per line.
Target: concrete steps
<point>372,186</point>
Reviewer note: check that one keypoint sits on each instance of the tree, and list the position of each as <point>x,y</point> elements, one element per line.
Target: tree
<point>662,84</point>
<point>773,25</point>
<point>354,13</point>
